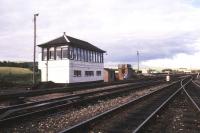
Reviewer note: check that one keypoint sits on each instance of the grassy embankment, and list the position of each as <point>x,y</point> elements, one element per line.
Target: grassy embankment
<point>15,77</point>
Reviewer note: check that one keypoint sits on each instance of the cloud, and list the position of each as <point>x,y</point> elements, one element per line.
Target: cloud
<point>184,59</point>
<point>178,61</point>
<point>154,48</point>
<point>159,29</point>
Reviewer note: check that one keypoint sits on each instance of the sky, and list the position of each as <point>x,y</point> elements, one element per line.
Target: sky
<point>165,32</point>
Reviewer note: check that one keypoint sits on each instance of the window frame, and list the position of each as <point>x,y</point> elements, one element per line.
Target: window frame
<point>67,52</point>
<point>44,50</point>
<point>82,54</point>
<point>77,73</point>
<point>98,73</point>
<point>86,56</point>
<point>95,57</point>
<point>89,73</point>
<point>71,53</point>
<point>51,53</point>
<point>75,53</point>
<point>60,50</point>
<point>79,54</point>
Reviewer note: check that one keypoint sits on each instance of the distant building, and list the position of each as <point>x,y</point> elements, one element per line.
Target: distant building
<point>184,70</point>
<point>145,71</point>
<point>70,60</point>
<point>125,71</point>
<point>109,75</point>
<point>167,70</point>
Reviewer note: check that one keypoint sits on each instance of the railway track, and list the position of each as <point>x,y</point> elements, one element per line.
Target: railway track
<point>131,116</point>
<point>17,112</point>
<point>180,115</point>
<point>9,95</point>
<point>192,90</point>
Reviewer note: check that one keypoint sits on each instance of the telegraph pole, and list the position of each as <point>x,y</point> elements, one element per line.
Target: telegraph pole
<point>138,60</point>
<point>34,49</point>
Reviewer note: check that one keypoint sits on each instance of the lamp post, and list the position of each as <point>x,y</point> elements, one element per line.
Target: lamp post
<point>34,48</point>
<point>138,60</point>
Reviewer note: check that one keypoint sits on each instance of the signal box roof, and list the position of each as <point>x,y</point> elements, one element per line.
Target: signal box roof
<point>67,40</point>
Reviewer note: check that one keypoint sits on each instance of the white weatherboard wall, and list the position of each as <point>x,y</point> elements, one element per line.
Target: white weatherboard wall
<point>62,71</point>
<point>85,66</point>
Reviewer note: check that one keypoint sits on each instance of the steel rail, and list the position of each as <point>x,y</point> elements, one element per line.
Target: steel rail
<point>141,126</point>
<point>46,101</point>
<point>191,99</point>
<point>196,84</point>
<point>80,99</point>
<point>69,97</point>
<point>79,125</point>
<point>7,95</point>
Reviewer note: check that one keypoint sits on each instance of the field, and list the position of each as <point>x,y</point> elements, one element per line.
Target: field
<point>14,70</point>
<point>14,77</point>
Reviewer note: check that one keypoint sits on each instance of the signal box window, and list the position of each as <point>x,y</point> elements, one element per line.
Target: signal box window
<point>77,73</point>
<point>89,73</point>
<point>98,73</point>
<point>51,54</point>
<point>44,54</point>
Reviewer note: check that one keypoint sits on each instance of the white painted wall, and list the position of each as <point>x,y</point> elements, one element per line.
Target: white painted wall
<point>85,66</point>
<point>58,71</point>
<point>62,71</point>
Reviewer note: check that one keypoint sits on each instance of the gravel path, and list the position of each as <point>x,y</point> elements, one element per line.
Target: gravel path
<point>71,116</point>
